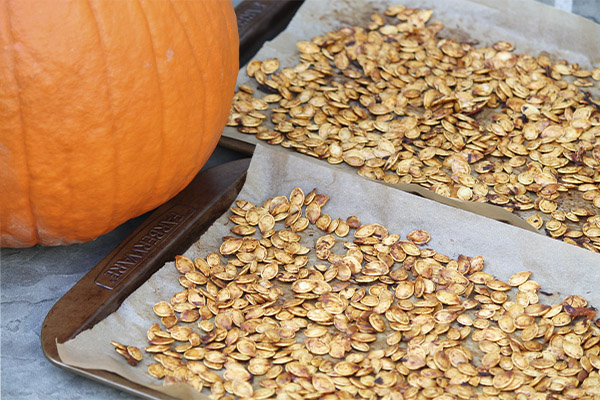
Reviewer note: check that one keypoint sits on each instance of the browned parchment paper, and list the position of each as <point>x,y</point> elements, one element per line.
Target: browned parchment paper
<point>531,26</point>
<point>560,268</point>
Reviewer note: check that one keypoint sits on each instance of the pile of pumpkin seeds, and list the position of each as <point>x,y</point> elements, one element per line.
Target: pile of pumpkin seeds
<point>298,304</point>
<point>402,103</point>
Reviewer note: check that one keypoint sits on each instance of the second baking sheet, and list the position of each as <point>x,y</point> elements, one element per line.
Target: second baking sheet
<point>561,269</point>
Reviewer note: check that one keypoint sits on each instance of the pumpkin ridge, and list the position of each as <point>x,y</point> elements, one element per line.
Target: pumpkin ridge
<point>201,146</point>
<point>232,28</point>
<point>112,113</point>
<point>160,95</point>
<point>214,141</point>
<point>235,34</point>
<point>23,130</point>
<point>224,64</point>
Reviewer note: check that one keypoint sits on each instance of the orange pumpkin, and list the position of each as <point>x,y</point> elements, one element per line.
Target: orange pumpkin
<point>107,109</point>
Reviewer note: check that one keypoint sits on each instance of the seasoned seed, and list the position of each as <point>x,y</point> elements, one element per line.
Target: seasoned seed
<point>447,297</point>
<point>519,278</point>
<point>118,346</point>
<point>243,230</point>
<point>242,389</point>
<point>230,246</point>
<point>307,47</point>
<point>536,221</point>
<point>419,237</point>
<point>163,309</point>
<point>266,223</point>
<point>503,379</point>
<point>270,271</point>
<point>317,346</point>
<point>573,349</point>
<point>269,66</point>
<point>183,264</point>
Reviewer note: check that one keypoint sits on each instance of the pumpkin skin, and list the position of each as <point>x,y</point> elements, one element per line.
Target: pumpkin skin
<point>107,109</point>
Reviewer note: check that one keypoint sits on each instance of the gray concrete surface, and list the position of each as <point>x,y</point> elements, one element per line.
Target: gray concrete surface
<point>32,280</point>
<point>587,8</point>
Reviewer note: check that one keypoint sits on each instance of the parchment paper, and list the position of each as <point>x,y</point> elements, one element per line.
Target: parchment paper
<point>560,268</point>
<point>533,28</point>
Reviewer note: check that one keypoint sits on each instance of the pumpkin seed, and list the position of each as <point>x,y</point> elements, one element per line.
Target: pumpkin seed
<point>132,354</point>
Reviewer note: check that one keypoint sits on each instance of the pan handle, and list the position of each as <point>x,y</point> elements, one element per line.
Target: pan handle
<point>262,20</point>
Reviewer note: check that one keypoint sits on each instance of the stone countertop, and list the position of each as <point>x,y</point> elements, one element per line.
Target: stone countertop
<point>32,280</point>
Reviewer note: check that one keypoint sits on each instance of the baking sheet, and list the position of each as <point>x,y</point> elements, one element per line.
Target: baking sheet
<point>533,28</point>
<point>560,268</point>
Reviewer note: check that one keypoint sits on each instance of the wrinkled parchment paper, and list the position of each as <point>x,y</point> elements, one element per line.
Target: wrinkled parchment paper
<point>560,268</point>
<point>532,27</point>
